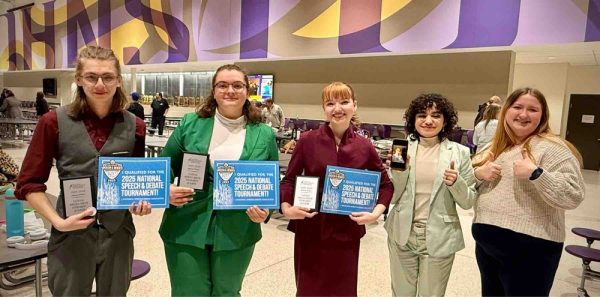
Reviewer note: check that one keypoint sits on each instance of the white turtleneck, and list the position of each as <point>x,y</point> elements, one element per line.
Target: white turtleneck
<point>426,163</point>
<point>228,136</point>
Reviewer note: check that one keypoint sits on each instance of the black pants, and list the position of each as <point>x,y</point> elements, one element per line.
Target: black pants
<point>158,120</point>
<point>514,264</point>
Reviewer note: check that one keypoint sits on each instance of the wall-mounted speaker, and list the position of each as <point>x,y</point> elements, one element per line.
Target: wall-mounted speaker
<point>49,86</point>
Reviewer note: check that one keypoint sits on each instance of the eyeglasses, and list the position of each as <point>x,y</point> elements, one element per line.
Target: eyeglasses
<point>238,86</point>
<point>107,79</point>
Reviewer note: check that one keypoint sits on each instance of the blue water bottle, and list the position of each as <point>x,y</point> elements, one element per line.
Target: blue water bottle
<point>14,215</point>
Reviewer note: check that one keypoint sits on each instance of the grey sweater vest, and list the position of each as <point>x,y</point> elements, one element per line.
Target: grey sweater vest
<point>77,157</point>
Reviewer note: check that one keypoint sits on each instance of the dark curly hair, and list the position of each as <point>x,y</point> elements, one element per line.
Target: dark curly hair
<point>421,104</point>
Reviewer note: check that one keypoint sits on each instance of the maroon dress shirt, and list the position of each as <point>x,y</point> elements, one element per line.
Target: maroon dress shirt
<point>43,148</point>
<point>315,150</point>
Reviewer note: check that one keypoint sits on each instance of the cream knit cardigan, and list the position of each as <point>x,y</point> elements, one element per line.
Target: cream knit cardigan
<point>536,208</point>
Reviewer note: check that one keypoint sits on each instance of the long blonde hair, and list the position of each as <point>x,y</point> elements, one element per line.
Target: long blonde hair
<point>339,89</point>
<point>505,138</point>
<point>491,113</point>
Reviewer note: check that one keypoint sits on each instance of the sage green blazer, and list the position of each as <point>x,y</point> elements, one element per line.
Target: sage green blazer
<point>190,224</point>
<point>443,233</point>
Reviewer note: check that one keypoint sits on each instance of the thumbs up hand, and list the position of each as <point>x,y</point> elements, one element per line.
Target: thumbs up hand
<point>489,171</point>
<point>450,175</point>
<point>524,168</point>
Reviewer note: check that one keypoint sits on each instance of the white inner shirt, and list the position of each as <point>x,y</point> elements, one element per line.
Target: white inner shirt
<point>228,136</point>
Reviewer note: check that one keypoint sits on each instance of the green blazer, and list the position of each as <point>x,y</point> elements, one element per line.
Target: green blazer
<point>443,233</point>
<point>195,222</point>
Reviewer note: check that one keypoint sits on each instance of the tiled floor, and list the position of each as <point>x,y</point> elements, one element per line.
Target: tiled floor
<point>271,272</point>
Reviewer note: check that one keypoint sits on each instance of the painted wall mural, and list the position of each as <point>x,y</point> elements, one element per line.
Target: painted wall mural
<point>49,35</point>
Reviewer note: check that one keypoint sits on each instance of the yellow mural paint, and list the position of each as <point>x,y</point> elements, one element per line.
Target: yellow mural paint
<point>326,25</point>
<point>156,5</point>
<point>60,12</point>
<point>121,36</point>
<point>37,14</point>
<point>20,50</point>
<point>4,59</point>
<point>38,55</point>
<point>389,7</point>
<point>89,3</point>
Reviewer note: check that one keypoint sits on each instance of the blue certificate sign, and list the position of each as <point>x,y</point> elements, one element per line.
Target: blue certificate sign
<point>349,190</point>
<point>242,184</point>
<point>122,180</point>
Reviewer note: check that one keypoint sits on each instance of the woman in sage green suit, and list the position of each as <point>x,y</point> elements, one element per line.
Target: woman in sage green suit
<point>423,226</point>
<point>208,251</point>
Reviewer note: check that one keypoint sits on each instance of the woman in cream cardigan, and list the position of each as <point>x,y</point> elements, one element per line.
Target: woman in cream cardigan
<point>423,226</point>
<point>529,177</point>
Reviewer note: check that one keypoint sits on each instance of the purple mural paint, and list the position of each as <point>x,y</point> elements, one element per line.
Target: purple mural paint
<point>592,29</point>
<point>77,17</point>
<point>12,41</point>
<point>46,36</point>
<point>254,41</point>
<point>364,16</point>
<point>179,35</point>
<point>487,23</point>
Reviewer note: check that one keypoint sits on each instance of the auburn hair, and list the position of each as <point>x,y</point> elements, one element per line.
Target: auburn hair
<point>339,90</point>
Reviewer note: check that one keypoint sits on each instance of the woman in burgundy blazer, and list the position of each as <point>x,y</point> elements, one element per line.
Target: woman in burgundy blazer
<point>326,246</point>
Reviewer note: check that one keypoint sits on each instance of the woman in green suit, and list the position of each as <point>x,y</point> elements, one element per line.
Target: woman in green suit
<point>208,251</point>
<point>423,226</point>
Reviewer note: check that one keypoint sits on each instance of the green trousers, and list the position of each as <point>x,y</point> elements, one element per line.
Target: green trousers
<point>203,272</point>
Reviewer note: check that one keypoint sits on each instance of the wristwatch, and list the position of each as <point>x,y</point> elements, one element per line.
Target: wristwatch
<point>536,173</point>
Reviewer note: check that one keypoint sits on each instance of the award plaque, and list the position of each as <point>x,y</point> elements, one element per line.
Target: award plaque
<point>242,184</point>
<point>77,193</point>
<point>348,190</point>
<point>123,180</point>
<point>193,170</point>
<point>305,192</point>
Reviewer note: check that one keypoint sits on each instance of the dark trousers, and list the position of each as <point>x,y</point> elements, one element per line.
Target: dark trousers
<point>158,120</point>
<point>76,258</point>
<point>326,268</point>
<point>514,264</point>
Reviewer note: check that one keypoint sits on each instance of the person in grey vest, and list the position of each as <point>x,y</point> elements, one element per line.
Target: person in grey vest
<point>84,247</point>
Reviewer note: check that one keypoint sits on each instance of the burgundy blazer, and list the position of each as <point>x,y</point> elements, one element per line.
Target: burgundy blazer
<point>313,152</point>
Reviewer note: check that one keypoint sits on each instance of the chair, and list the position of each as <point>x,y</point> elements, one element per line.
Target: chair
<point>370,128</point>
<point>312,124</point>
<point>139,268</point>
<point>384,131</point>
<point>299,124</point>
<point>589,234</point>
<point>470,143</point>
<point>286,123</point>
<point>456,135</point>
<point>587,255</point>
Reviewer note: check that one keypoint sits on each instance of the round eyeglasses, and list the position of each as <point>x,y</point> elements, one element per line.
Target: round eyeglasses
<point>237,86</point>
